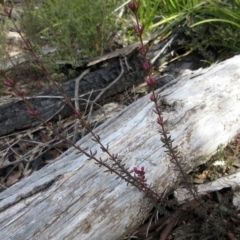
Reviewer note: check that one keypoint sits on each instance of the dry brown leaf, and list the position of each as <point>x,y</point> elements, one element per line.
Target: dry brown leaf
<point>13,178</point>
<point>45,138</point>
<point>22,147</point>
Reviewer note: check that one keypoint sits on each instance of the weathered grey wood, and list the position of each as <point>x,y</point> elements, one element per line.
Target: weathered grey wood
<point>231,181</point>
<point>74,199</point>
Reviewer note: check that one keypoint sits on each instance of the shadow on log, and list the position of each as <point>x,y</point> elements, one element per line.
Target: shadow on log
<point>74,199</point>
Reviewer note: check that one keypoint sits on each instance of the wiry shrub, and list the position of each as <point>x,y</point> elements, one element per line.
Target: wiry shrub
<point>77,29</point>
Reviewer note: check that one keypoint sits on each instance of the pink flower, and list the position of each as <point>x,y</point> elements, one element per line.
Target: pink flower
<point>143,50</point>
<point>33,112</point>
<point>9,82</point>
<point>135,170</point>
<point>140,172</point>
<point>5,10</point>
<point>20,92</point>
<point>76,115</point>
<point>134,6</point>
<point>147,66</point>
<point>153,98</point>
<point>151,81</point>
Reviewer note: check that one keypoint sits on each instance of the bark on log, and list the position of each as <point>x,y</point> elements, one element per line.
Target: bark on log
<point>50,103</point>
<point>74,199</point>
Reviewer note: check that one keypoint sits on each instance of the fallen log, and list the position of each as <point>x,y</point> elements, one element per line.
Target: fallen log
<point>51,104</point>
<point>231,181</point>
<point>113,75</point>
<point>74,199</point>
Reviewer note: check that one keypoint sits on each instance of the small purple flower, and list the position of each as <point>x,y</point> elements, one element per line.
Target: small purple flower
<point>140,172</point>
<point>135,170</point>
<point>134,6</point>
<point>20,92</point>
<point>9,82</point>
<point>33,112</point>
<point>5,10</point>
<point>143,50</point>
<point>151,81</point>
<point>153,98</point>
<point>147,66</point>
<point>77,115</point>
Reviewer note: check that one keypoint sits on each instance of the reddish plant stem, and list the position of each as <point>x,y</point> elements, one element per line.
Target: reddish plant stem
<point>172,150</point>
<point>166,138</point>
<point>128,177</point>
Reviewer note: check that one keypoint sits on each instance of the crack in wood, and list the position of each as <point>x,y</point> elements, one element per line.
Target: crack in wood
<point>43,187</point>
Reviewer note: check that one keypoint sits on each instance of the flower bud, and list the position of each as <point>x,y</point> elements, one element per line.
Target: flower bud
<point>5,10</point>
<point>143,51</point>
<point>147,66</point>
<point>77,115</point>
<point>135,170</point>
<point>151,81</point>
<point>9,82</point>
<point>20,92</point>
<point>33,112</point>
<point>134,6</point>
<point>153,98</point>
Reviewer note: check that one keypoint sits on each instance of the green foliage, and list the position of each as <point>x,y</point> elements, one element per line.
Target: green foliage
<point>215,224</point>
<point>77,28</point>
<point>147,12</point>
<point>3,31</point>
<point>197,19</point>
<point>3,46</point>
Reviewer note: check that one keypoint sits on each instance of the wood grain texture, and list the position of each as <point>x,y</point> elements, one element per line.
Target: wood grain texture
<point>74,199</point>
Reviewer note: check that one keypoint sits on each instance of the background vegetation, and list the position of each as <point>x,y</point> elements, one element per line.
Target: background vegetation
<point>211,27</point>
<point>78,29</point>
<point>81,29</point>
